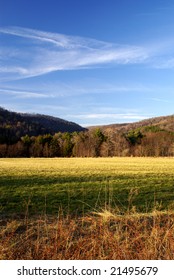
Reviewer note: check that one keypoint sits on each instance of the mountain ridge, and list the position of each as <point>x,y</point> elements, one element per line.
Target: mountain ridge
<point>14,125</point>
<point>35,135</point>
<point>34,123</point>
<point>163,122</point>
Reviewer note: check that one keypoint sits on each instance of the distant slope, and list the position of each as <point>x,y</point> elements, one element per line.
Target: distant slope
<point>163,123</point>
<point>53,124</point>
<point>17,124</point>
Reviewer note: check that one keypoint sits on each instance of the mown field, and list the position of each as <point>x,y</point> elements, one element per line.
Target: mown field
<point>90,208</point>
<point>81,185</point>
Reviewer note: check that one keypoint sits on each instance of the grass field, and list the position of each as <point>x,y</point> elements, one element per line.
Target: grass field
<point>80,185</point>
<point>87,208</point>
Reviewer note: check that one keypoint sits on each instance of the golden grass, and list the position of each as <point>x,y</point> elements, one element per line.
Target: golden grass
<point>81,185</point>
<point>74,235</point>
<point>100,236</point>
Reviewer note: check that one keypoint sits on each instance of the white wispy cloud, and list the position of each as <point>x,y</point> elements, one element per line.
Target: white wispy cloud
<point>129,116</point>
<point>167,63</point>
<point>86,120</point>
<point>56,89</point>
<point>159,100</point>
<point>44,52</point>
<point>93,86</point>
<point>60,40</point>
<point>23,93</point>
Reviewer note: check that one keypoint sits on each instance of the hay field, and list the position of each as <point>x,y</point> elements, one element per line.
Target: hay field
<point>90,208</point>
<point>81,185</point>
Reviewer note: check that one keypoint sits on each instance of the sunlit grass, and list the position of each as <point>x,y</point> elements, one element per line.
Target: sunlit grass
<point>82,185</point>
<point>87,208</point>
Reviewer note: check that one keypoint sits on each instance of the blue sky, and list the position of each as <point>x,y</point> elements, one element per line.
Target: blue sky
<point>91,62</point>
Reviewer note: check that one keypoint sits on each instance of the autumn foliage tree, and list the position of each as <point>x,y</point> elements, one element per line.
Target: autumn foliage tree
<point>92,143</point>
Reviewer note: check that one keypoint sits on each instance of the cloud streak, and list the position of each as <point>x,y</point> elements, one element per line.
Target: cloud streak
<point>36,53</point>
<point>159,100</point>
<point>102,119</point>
<point>109,116</point>
<point>23,93</point>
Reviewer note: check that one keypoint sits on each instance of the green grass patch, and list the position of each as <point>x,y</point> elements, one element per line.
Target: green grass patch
<point>82,185</point>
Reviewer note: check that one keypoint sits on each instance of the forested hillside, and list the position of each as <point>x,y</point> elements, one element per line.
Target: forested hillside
<point>163,123</point>
<point>23,135</point>
<point>15,125</point>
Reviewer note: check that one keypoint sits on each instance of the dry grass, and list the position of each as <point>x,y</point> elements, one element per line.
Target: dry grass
<point>100,236</point>
<point>79,186</point>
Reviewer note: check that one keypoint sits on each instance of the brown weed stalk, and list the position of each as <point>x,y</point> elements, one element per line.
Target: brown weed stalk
<point>100,236</point>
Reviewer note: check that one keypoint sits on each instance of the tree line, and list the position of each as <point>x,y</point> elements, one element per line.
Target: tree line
<point>149,142</point>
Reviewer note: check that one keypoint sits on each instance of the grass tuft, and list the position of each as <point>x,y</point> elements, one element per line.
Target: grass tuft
<point>102,235</point>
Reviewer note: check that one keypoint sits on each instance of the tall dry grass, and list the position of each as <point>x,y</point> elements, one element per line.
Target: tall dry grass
<point>100,236</point>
